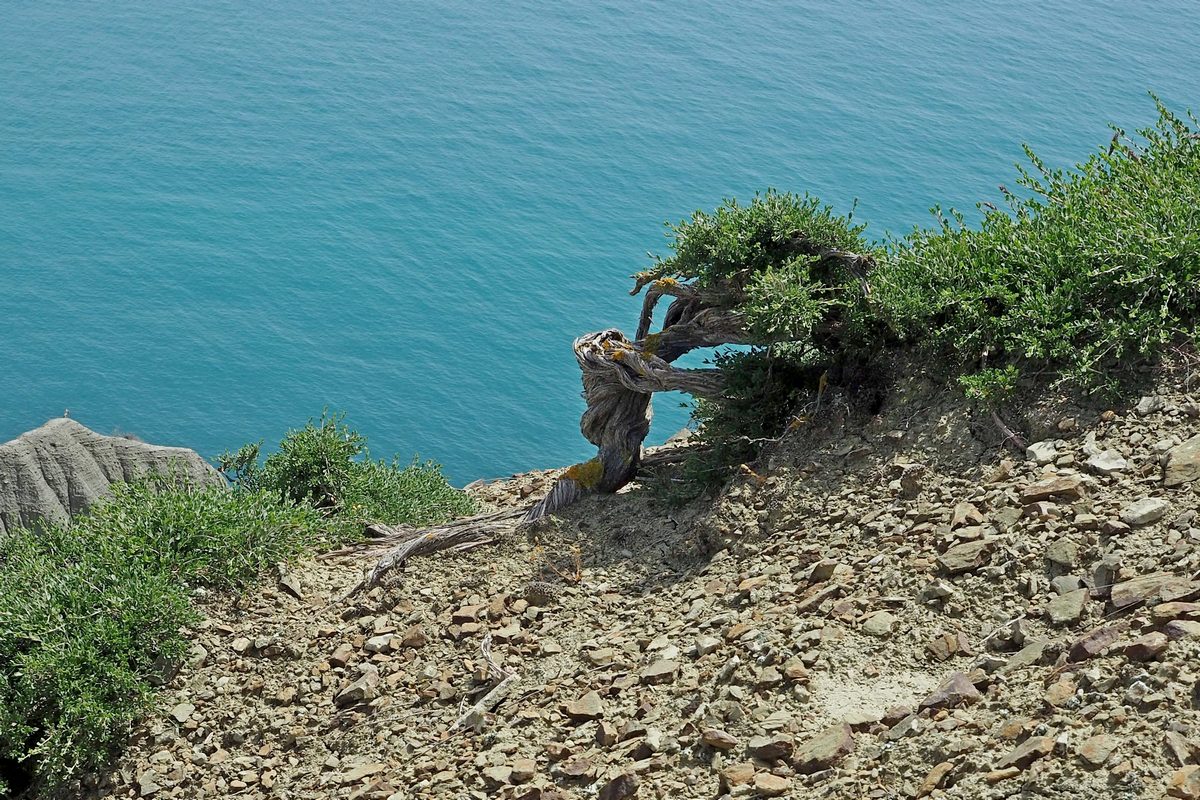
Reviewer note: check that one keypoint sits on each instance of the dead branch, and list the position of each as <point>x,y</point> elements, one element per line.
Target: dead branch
<point>474,716</point>
<point>684,292</point>
<point>402,542</point>
<point>406,542</point>
<point>1011,437</point>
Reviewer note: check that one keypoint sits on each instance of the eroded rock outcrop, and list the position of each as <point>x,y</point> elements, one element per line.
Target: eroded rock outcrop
<point>63,467</point>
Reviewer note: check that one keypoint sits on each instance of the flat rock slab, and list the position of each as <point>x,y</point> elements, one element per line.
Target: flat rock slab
<point>770,748</point>
<point>585,708</point>
<point>1147,647</point>
<point>661,671</point>
<point>621,787</point>
<point>1058,487</point>
<point>1165,612</point>
<point>956,690</point>
<point>965,557</point>
<point>1107,462</point>
<point>1041,452</point>
<point>1185,783</point>
<point>1095,642</point>
<point>1066,609</point>
<point>182,712</point>
<point>718,739</point>
<point>356,774</point>
<point>360,691</point>
<point>1183,463</point>
<point>1096,750</point>
<point>768,785</point>
<point>1144,511</point>
<point>879,623</point>
<point>1160,586</point>
<point>1028,656</point>
<point>1027,752</point>
<point>825,749</point>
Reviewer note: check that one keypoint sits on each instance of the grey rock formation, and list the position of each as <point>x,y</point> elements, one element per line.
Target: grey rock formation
<point>62,468</point>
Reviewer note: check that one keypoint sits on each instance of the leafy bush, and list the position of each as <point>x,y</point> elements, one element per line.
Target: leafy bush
<point>327,464</point>
<point>1092,267</point>
<point>774,261</point>
<point>91,613</point>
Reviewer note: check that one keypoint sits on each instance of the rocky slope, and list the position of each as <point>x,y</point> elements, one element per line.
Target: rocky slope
<point>62,468</point>
<point>883,607</point>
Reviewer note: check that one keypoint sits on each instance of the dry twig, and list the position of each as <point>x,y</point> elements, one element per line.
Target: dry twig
<point>474,716</point>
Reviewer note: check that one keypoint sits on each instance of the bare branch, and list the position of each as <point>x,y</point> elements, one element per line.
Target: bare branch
<point>474,716</point>
<point>407,542</point>
<point>685,292</point>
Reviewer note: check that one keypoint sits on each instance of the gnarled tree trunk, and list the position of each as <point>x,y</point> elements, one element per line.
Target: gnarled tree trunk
<point>620,377</point>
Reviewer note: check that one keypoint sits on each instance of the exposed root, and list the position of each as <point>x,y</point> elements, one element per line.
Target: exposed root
<point>1011,437</point>
<point>403,542</point>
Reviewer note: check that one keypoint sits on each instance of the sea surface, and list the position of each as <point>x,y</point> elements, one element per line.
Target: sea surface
<point>218,218</point>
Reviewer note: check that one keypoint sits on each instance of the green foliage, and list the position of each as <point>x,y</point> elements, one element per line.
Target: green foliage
<point>774,261</point>
<point>991,386</point>
<point>737,242</point>
<point>91,614</point>
<point>415,494</point>
<point>1091,268</point>
<point>763,388</point>
<point>761,393</point>
<point>327,464</point>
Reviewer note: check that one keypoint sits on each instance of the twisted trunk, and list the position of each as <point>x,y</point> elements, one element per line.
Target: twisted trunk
<point>620,377</point>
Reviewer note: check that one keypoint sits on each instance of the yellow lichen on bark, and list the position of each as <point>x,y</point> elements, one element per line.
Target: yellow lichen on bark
<point>587,474</point>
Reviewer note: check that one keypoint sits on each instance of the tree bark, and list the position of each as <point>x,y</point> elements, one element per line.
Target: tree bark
<point>620,377</point>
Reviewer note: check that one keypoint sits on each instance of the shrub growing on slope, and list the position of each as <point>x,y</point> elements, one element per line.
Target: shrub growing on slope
<point>1091,267</point>
<point>92,615</point>
<point>328,465</point>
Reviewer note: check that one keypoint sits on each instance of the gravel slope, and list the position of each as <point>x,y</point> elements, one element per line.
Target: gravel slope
<point>882,607</point>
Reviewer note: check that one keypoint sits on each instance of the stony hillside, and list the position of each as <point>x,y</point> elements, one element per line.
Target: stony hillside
<point>883,607</point>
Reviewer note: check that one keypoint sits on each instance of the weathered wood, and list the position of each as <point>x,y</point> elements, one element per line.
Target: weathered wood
<point>405,542</point>
<point>503,678</point>
<point>619,378</point>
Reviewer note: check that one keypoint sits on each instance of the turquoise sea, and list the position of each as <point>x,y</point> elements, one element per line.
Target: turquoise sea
<point>219,217</point>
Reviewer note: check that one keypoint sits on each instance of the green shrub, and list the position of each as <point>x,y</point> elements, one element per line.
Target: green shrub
<point>1091,268</point>
<point>991,386</point>
<point>91,613</point>
<point>739,243</point>
<point>774,262</point>
<point>327,464</point>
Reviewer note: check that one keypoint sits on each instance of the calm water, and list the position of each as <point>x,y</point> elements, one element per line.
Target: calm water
<point>218,217</point>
